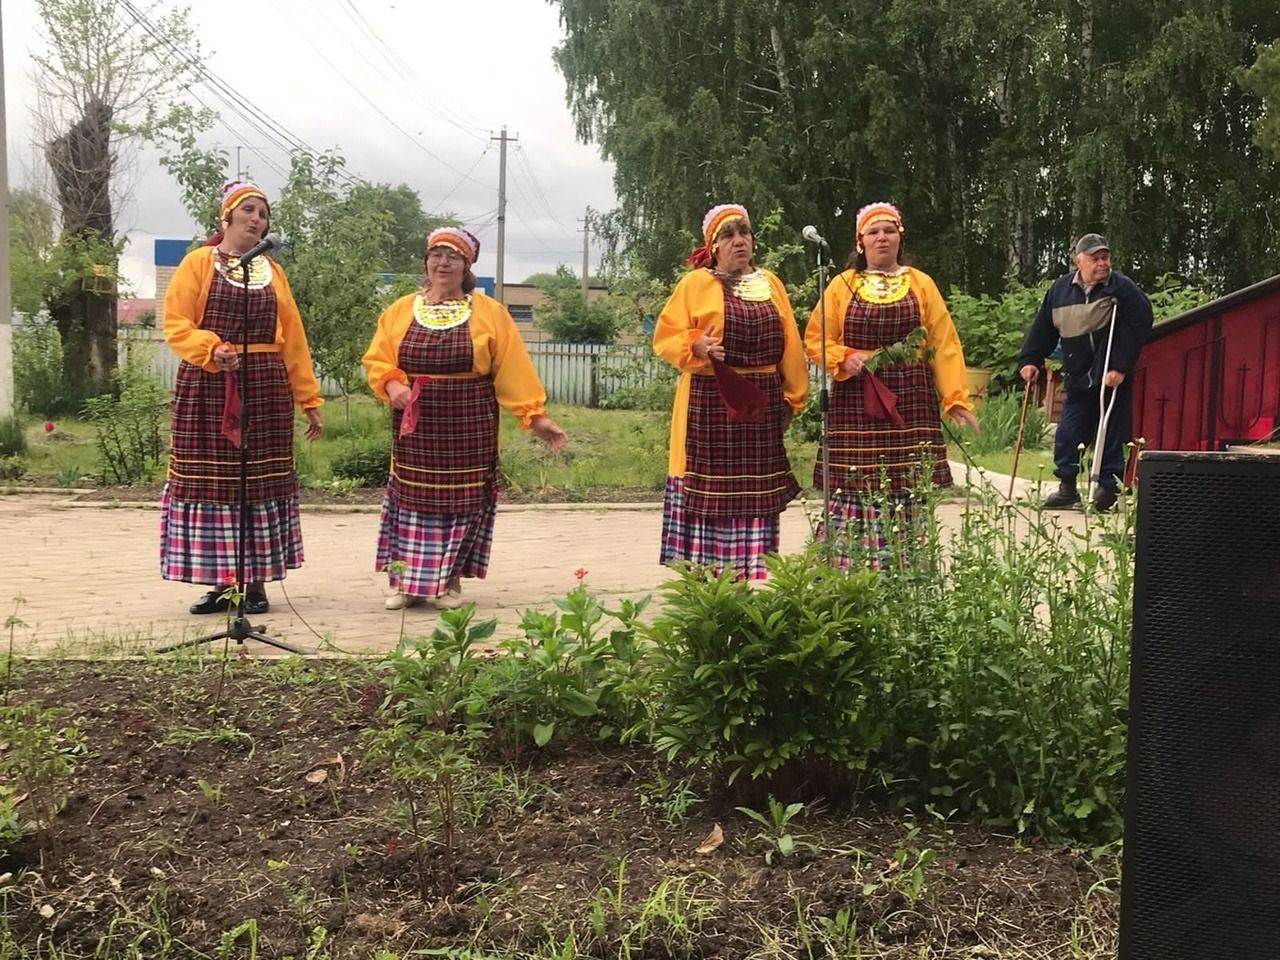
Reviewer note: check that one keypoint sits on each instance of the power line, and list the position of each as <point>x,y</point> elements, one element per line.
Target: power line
<point>465,177</point>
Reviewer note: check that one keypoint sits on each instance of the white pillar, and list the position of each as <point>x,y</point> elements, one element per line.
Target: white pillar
<point>6,308</point>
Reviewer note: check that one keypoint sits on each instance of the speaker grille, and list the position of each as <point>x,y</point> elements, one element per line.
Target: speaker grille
<point>1202,815</point>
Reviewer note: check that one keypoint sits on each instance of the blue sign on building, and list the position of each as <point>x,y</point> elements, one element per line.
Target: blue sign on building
<point>485,285</point>
<point>169,253</point>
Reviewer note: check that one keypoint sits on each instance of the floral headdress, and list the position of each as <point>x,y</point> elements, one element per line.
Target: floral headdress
<point>456,238</point>
<point>716,218</point>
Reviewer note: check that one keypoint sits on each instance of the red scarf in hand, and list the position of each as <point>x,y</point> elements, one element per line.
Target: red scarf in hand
<point>878,400</point>
<point>744,402</point>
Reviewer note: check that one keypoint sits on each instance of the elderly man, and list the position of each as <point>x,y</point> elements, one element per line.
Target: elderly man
<point>1080,309</point>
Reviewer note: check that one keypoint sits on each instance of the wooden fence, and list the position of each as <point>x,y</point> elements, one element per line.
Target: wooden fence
<point>581,374</point>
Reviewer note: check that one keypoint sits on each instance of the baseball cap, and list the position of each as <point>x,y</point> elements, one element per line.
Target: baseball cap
<point>1092,243</point>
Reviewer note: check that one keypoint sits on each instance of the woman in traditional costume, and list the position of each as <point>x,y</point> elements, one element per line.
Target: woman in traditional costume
<point>884,428</point>
<point>203,324</point>
<point>444,358</point>
<point>729,328</point>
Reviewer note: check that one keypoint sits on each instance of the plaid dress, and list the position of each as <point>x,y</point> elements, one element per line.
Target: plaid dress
<point>441,500</point>
<point>723,513</point>
<point>875,464</point>
<point>199,515</point>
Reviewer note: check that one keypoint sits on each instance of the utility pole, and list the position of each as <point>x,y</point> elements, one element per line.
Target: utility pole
<point>502,210</point>
<point>586,251</point>
<point>237,161</point>
<point>6,308</point>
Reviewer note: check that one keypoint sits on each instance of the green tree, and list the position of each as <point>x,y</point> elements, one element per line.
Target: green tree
<point>31,241</point>
<point>408,223</point>
<point>334,262</point>
<point>1262,79</point>
<point>567,315</point>
<point>1002,129</point>
<point>104,85</point>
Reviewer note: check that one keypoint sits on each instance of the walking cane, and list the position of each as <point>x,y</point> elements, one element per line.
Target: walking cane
<point>1105,407</point>
<point>1017,444</point>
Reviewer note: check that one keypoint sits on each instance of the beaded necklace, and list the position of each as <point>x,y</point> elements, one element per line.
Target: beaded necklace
<point>752,287</point>
<point>881,286</point>
<point>229,267</point>
<point>442,315</point>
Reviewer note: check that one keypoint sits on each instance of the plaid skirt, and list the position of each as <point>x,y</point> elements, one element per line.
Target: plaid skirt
<point>199,541</point>
<point>720,543</point>
<point>876,532</point>
<point>433,546</point>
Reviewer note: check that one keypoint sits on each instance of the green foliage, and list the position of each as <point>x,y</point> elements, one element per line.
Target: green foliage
<point>1003,130</point>
<point>31,237</point>
<point>772,682</point>
<point>565,671</point>
<point>130,425</point>
<point>991,328</point>
<point>200,174</point>
<point>427,737</point>
<point>365,459</point>
<point>1009,674</point>
<point>38,760</point>
<point>13,436</point>
<point>999,428</point>
<point>404,241</point>
<point>1171,295</point>
<point>567,315</point>
<point>40,385</point>
<point>644,384</point>
<point>334,261</point>
<point>1262,79</point>
<point>779,837</point>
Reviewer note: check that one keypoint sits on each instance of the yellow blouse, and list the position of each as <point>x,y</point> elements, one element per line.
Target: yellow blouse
<point>948,356</point>
<point>184,303</point>
<point>697,306</point>
<point>498,352</point>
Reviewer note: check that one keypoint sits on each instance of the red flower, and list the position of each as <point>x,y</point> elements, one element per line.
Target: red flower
<point>580,573</point>
<point>48,426</point>
<point>228,578</point>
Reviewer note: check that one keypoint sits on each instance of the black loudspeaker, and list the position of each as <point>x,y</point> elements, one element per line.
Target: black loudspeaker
<point>1201,877</point>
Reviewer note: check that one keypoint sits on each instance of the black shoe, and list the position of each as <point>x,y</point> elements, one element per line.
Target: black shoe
<point>212,602</point>
<point>1065,496</point>
<point>255,602</point>
<point>1104,499</point>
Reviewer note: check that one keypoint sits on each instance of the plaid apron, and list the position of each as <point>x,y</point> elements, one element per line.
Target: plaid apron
<point>449,463</point>
<point>736,469</point>
<point>867,453</point>
<point>204,466</point>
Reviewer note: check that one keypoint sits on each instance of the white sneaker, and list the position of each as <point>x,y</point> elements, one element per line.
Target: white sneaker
<point>398,601</point>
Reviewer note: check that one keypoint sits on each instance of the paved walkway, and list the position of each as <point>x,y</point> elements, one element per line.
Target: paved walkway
<point>88,574</point>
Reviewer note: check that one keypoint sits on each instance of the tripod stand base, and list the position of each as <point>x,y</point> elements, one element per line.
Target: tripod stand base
<point>238,630</point>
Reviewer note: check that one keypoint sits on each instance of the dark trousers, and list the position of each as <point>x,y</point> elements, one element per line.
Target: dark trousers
<point>1078,423</point>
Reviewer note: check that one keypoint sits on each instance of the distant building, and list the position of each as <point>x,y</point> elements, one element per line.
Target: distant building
<point>129,310</point>
<point>521,298</point>
<point>168,254</point>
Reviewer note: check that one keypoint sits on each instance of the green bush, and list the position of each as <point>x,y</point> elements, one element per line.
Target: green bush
<point>991,328</point>
<point>12,468</point>
<point>1010,674</point>
<point>366,459</point>
<point>130,425</point>
<point>999,425</point>
<point>40,385</point>
<point>13,436</point>
<point>771,682</point>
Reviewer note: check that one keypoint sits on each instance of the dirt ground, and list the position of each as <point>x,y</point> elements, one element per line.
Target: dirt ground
<point>195,818</point>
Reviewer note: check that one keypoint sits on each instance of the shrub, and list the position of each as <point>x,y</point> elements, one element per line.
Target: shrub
<point>13,436</point>
<point>40,385</point>
<point>130,425</point>
<point>1010,674</point>
<point>772,682</point>
<point>991,328</point>
<point>12,468</point>
<point>999,425</point>
<point>366,459</point>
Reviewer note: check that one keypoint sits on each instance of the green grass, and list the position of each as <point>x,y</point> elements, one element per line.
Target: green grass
<point>607,449</point>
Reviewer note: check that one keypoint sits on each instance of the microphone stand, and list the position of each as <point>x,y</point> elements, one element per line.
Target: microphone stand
<point>824,405</point>
<point>239,629</point>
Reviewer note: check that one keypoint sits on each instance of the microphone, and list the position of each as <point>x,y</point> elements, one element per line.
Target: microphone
<point>811,234</point>
<point>269,242</point>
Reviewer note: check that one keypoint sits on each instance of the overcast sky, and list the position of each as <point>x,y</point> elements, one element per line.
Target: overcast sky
<point>447,76</point>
